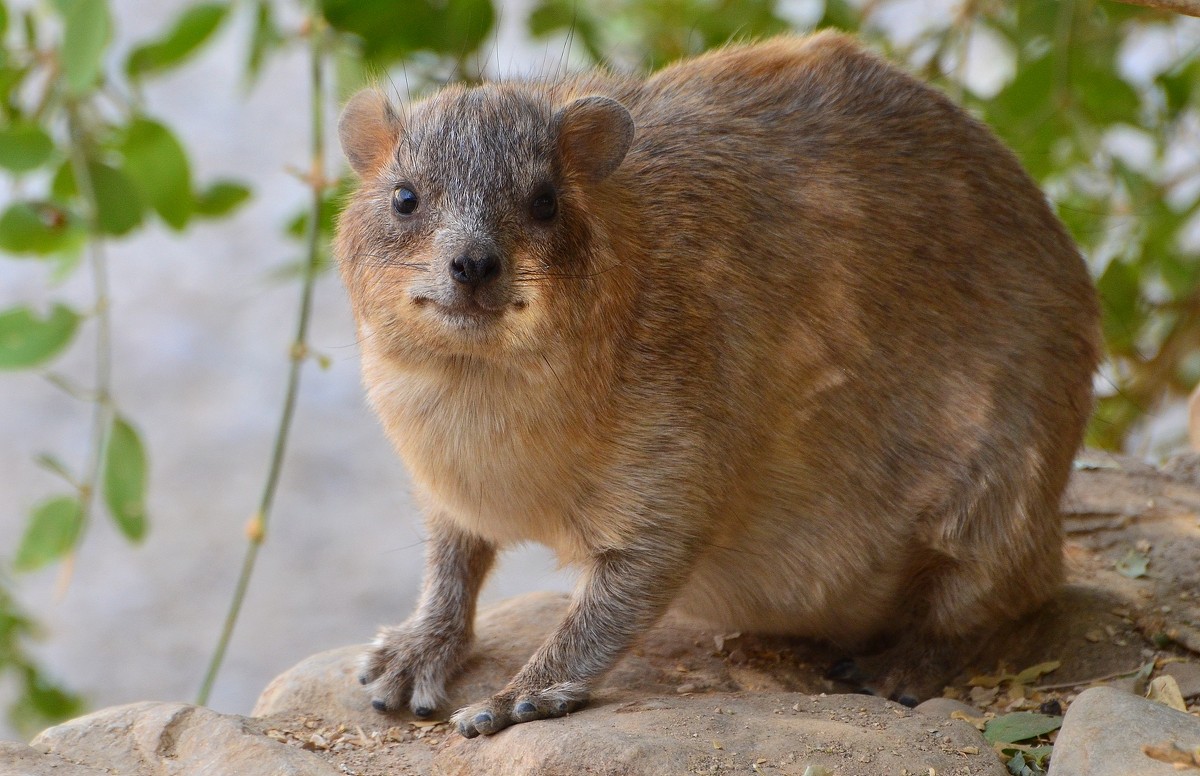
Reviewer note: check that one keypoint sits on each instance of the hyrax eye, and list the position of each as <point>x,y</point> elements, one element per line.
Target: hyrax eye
<point>405,200</point>
<point>544,205</point>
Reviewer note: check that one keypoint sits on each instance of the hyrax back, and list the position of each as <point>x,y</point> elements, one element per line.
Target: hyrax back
<point>778,336</point>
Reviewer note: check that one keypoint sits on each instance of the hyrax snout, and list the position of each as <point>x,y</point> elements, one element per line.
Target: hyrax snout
<point>778,337</point>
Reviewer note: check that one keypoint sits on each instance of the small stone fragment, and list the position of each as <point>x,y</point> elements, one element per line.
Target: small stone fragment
<point>1186,675</point>
<point>1165,690</point>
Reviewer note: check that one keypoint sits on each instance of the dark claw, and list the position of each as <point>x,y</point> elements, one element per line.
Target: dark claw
<point>422,711</point>
<point>362,679</point>
<point>562,707</point>
<point>466,731</point>
<point>378,705</point>
<point>525,707</point>
<point>906,700</point>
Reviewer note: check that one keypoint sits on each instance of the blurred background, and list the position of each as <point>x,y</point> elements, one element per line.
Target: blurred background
<point>161,223</point>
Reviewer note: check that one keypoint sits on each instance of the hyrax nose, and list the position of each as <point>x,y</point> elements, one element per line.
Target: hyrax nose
<point>475,270</point>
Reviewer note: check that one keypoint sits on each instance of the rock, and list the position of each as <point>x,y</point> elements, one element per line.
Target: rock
<point>21,760</point>
<point>1105,730</point>
<point>944,707</point>
<point>777,732</point>
<point>686,699</point>
<point>153,739</point>
<point>1187,675</point>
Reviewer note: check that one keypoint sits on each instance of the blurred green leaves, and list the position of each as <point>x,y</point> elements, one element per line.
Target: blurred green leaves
<point>40,228</point>
<point>158,165</point>
<point>220,199</point>
<point>190,31</point>
<point>125,479</point>
<point>87,165</point>
<point>86,32</point>
<point>28,340</point>
<point>39,700</point>
<point>389,31</point>
<point>52,532</point>
<point>24,147</point>
<point>651,34</point>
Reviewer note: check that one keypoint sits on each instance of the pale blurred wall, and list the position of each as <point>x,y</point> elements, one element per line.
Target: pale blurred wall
<point>201,336</point>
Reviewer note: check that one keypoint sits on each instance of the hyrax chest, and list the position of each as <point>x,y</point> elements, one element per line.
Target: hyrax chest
<point>507,460</point>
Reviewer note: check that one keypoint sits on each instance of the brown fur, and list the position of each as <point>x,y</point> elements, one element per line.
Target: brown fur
<point>813,359</point>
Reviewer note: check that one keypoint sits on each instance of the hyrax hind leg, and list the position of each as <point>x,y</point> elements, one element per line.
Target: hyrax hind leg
<point>964,589</point>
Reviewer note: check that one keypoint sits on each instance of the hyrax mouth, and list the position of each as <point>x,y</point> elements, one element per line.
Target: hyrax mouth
<point>469,310</point>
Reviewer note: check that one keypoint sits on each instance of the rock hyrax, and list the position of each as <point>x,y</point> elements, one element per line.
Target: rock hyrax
<point>778,336</point>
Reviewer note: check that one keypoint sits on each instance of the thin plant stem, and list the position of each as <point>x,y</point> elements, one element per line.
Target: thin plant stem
<point>256,530</point>
<point>103,409</point>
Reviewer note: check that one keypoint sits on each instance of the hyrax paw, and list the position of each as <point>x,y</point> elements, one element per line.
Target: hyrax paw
<point>512,707</point>
<point>406,667</point>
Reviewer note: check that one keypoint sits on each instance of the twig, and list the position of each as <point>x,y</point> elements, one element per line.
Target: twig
<point>1093,680</point>
<point>256,530</point>
<point>103,410</point>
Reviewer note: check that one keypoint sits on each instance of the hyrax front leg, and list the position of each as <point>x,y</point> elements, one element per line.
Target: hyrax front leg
<point>408,664</point>
<point>622,594</point>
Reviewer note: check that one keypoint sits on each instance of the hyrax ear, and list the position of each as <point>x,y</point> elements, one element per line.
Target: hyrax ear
<point>369,130</point>
<point>593,135</point>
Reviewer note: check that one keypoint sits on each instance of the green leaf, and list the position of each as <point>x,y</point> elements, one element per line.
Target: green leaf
<point>158,166</point>
<point>1033,673</point>
<point>3,19</point>
<point>1027,116</point>
<point>118,201</point>
<point>39,228</point>
<point>24,147</point>
<point>220,199</point>
<point>193,27</point>
<point>840,15</point>
<point>86,31</point>
<point>29,28</point>
<point>1020,726</point>
<point>1180,85</point>
<point>1106,98</point>
<point>125,479</point>
<point>391,31</point>
<point>119,204</point>
<point>263,38</point>
<point>1120,296</point>
<point>52,532</point>
<point>27,340</point>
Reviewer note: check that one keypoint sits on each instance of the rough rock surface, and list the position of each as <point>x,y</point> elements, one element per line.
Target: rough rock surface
<point>175,738</point>
<point>21,760</point>
<point>772,732</point>
<point>1105,732</point>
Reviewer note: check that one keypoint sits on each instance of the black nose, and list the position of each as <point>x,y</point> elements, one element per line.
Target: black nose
<point>475,270</point>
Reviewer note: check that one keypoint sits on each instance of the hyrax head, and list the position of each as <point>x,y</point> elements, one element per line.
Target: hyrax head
<point>471,221</point>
